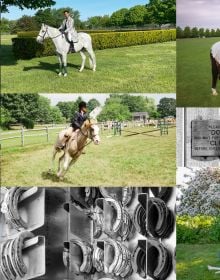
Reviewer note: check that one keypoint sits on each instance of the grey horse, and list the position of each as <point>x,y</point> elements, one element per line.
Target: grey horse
<point>83,45</point>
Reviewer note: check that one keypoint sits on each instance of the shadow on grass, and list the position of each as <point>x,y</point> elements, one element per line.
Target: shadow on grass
<point>53,177</point>
<point>49,67</point>
<point>7,57</point>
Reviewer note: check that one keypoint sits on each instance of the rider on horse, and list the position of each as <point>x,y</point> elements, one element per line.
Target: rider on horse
<point>79,118</point>
<point>68,28</point>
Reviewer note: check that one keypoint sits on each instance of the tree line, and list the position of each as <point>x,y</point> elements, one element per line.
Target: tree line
<point>30,109</point>
<point>156,12</point>
<point>195,32</point>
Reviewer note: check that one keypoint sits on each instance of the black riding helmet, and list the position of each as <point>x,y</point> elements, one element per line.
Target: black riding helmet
<point>82,104</point>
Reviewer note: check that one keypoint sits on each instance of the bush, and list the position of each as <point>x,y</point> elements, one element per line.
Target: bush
<point>26,47</point>
<point>27,123</point>
<point>198,229</point>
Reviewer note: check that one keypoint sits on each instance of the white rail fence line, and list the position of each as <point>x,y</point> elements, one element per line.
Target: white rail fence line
<point>104,127</point>
<point>23,134</point>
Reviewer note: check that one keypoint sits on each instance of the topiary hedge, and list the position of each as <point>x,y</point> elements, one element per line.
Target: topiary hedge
<point>26,47</point>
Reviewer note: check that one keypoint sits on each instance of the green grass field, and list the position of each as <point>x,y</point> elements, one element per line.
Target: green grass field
<point>194,73</point>
<point>192,261</point>
<point>118,161</point>
<point>138,69</point>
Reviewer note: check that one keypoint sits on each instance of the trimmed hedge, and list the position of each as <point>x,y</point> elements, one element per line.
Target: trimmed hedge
<point>34,34</point>
<point>26,48</point>
<point>198,229</point>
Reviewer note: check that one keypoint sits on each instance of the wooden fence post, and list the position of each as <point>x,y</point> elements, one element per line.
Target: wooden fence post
<point>22,136</point>
<point>47,133</point>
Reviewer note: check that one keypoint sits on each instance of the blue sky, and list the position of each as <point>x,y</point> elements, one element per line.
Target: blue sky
<point>86,8</point>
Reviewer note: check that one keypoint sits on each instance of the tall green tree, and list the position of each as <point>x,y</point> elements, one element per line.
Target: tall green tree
<point>21,106</point>
<point>92,104</point>
<point>118,18</point>
<point>54,17</point>
<point>167,107</point>
<point>115,111</point>
<point>5,25</point>
<point>67,109</point>
<point>194,32</point>
<point>25,23</point>
<point>207,33</point>
<point>134,103</point>
<point>187,32</point>
<point>162,11</point>
<point>179,32</point>
<point>25,4</point>
<point>201,32</point>
<point>55,115</point>
<point>137,15</point>
<point>6,118</point>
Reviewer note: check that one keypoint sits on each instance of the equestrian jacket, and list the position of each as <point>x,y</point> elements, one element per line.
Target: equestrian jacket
<point>78,120</point>
<point>69,28</point>
<point>215,51</point>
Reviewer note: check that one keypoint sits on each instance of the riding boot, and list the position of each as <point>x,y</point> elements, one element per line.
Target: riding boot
<point>72,48</point>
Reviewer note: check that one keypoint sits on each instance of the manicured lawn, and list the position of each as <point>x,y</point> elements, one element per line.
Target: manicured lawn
<point>192,261</point>
<point>138,69</point>
<point>118,161</point>
<point>194,73</point>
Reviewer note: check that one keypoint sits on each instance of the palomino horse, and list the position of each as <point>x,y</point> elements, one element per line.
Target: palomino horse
<point>62,47</point>
<point>75,145</point>
<point>215,61</point>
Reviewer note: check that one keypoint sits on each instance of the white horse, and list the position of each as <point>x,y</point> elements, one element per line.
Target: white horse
<point>62,47</point>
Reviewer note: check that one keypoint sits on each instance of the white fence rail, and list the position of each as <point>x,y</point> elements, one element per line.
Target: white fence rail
<point>22,133</point>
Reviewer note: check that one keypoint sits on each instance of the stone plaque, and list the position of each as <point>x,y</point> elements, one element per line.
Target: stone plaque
<point>206,138</point>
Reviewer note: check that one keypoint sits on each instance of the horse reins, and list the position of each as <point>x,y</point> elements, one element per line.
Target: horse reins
<point>46,32</point>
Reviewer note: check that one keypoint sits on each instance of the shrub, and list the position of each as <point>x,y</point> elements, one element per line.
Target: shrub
<point>26,47</point>
<point>27,123</point>
<point>198,229</point>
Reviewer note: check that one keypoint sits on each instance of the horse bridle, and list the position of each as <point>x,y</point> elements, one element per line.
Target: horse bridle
<point>89,135</point>
<point>46,32</point>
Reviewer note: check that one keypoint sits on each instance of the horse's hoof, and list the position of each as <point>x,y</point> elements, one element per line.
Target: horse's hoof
<point>60,74</point>
<point>214,93</point>
<point>65,75</point>
<point>80,70</point>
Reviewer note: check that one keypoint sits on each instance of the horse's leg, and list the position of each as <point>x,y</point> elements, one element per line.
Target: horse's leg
<point>214,75</point>
<point>60,64</point>
<point>65,64</point>
<point>83,61</point>
<point>53,159</point>
<point>59,165</point>
<point>92,59</point>
<point>66,163</point>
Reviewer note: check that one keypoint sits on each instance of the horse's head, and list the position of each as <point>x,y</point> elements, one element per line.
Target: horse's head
<point>43,34</point>
<point>93,130</point>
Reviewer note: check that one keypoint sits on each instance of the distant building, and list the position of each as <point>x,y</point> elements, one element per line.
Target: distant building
<point>140,116</point>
